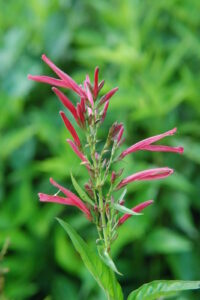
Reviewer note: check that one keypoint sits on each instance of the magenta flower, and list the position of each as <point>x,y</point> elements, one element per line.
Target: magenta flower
<point>107,96</point>
<point>64,81</point>
<point>147,145</point>
<point>78,152</point>
<point>96,80</point>
<point>104,111</point>
<point>89,112</point>
<point>70,128</point>
<point>136,209</point>
<point>67,103</point>
<point>151,174</point>
<point>70,199</point>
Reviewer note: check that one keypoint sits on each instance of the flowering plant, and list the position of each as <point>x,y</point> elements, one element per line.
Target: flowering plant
<point>98,200</point>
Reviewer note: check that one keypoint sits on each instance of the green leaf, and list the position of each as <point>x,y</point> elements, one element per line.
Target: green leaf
<point>125,210</point>
<point>81,192</point>
<point>162,288</point>
<point>101,273</point>
<point>122,195</point>
<point>107,259</point>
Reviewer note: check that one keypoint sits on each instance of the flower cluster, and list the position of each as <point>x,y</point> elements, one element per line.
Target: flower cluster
<point>98,201</point>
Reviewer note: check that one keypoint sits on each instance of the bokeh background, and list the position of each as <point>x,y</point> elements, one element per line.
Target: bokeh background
<point>151,50</point>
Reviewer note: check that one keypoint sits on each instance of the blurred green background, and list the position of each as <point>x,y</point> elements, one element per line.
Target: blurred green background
<point>151,50</point>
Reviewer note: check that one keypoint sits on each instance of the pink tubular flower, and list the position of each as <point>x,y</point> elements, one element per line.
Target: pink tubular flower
<point>100,86</point>
<point>89,94</point>
<point>136,209</point>
<point>76,200</point>
<point>121,131</point>
<point>67,103</point>
<point>104,111</point>
<point>151,174</point>
<point>77,151</point>
<point>64,81</point>
<point>70,128</point>
<point>108,96</point>
<point>80,114</point>
<point>48,80</point>
<point>146,145</point>
<point>96,79</point>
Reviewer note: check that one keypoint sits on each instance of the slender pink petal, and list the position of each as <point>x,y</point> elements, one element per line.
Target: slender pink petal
<point>121,131</point>
<point>144,144</point>
<point>113,176</point>
<point>56,199</point>
<point>70,128</point>
<point>89,94</point>
<point>67,103</point>
<point>106,97</point>
<point>96,79</point>
<point>77,151</point>
<point>48,80</point>
<point>73,197</point>
<point>151,174</point>
<point>80,114</point>
<point>163,148</point>
<point>65,77</point>
<point>100,86</point>
<point>105,111</point>
<point>82,102</point>
<point>136,209</point>
<point>116,129</point>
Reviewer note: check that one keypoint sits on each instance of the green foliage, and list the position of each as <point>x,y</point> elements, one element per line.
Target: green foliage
<point>150,49</point>
<point>83,195</point>
<point>101,273</point>
<point>162,288</point>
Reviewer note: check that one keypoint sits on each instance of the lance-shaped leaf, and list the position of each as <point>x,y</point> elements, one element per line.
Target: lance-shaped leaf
<point>107,259</point>
<point>81,192</point>
<point>122,195</point>
<point>162,288</point>
<point>125,210</point>
<point>101,273</point>
<point>70,128</point>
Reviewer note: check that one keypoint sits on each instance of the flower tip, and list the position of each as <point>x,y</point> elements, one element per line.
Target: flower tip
<point>30,76</point>
<point>43,57</point>
<point>50,179</point>
<point>174,130</point>
<point>41,196</point>
<point>54,89</point>
<point>181,150</point>
<point>61,113</point>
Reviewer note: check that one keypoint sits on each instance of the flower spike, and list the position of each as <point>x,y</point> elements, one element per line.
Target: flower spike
<point>70,128</point>
<point>100,205</point>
